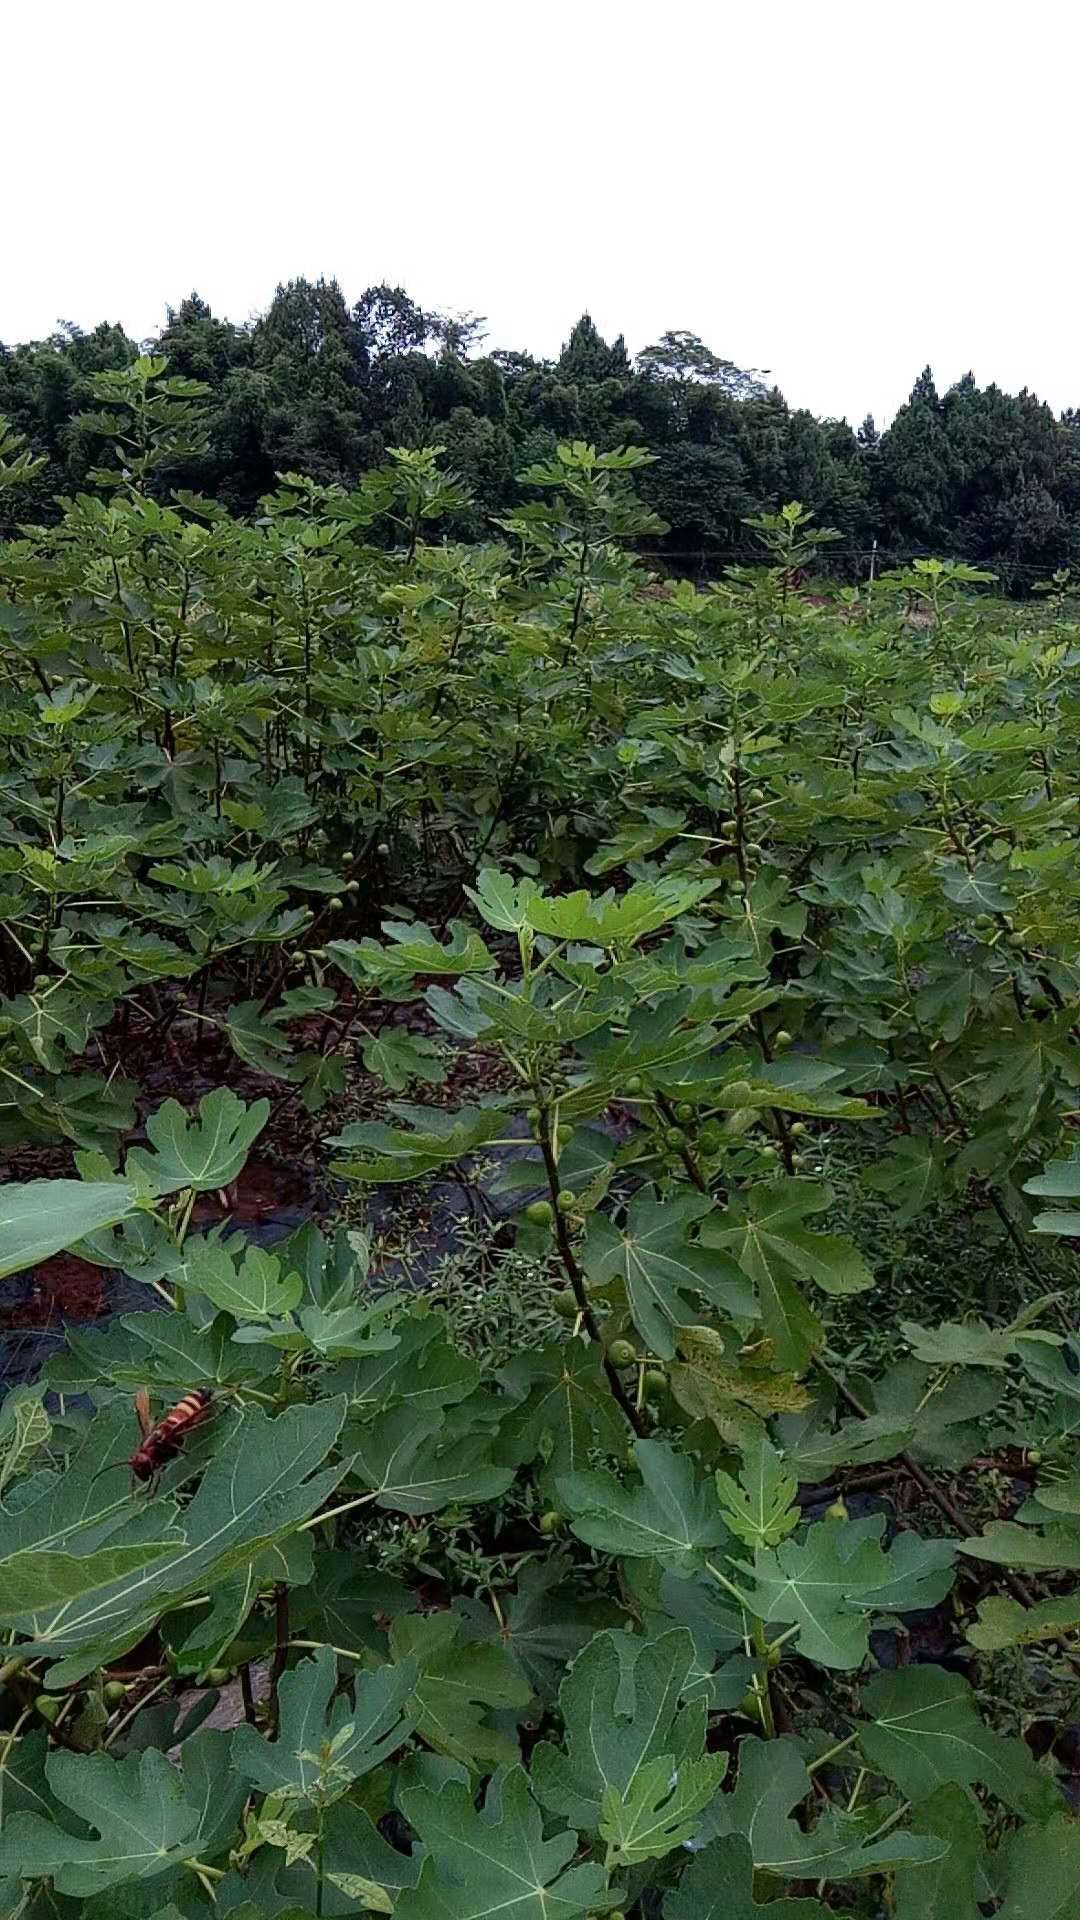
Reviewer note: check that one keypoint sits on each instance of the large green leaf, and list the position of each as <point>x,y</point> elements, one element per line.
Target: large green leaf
<point>250,1286</point>
<point>716,1378</point>
<point>56,1023</point>
<point>774,1229</point>
<point>397,1057</point>
<point>772,1781</point>
<point>360,1733</point>
<point>659,1809</point>
<point>205,1154</point>
<point>38,1579</point>
<point>1003,1622</point>
<point>911,1174</point>
<point>503,901</point>
<point>945,1426</point>
<point>24,1429</point>
<point>962,1344</point>
<point>1060,1181</point>
<point>832,1583</point>
<point>495,1861</point>
<point>76,1515</point>
<point>946,1889</point>
<point>147,1816</point>
<point>413,1465</point>
<point>672,1515</point>
<point>1007,1544</point>
<point>46,1216</point>
<point>760,1506</point>
<point>768,906</point>
<point>650,1037</point>
<point>923,1730</point>
<point>767,1237</point>
<point>421,1370</point>
<point>719,1885</point>
<point>377,1152</point>
<point>666,1275</point>
<point>165,1351</point>
<point>635,1766</point>
<point>1042,1872</point>
<point>410,949</point>
<point>543,1622</point>
<point>565,1411</point>
<point>796,1084</point>
<point>816,1448</point>
<point>457,1681</point>
<point>267,1477</point>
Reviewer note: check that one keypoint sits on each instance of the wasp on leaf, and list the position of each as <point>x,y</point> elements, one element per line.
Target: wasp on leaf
<point>162,1443</point>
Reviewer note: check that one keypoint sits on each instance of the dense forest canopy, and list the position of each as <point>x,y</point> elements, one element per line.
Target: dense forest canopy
<point>320,387</point>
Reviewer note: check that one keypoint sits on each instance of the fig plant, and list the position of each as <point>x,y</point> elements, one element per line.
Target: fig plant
<point>710,894</point>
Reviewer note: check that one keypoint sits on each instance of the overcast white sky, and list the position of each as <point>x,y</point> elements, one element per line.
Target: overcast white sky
<point>840,191</point>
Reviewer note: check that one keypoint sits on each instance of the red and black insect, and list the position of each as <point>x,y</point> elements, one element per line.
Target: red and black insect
<point>163,1442</point>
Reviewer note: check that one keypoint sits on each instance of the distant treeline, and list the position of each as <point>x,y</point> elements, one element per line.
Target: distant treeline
<point>320,387</point>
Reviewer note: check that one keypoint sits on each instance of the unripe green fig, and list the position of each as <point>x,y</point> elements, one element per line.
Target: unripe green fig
<point>1017,940</point>
<point>383,849</point>
<point>770,1153</point>
<point>749,1705</point>
<point>756,796</point>
<point>621,1353</point>
<point>218,1676</point>
<point>1034,1456</point>
<point>729,828</point>
<point>564,1304</point>
<point>738,1093</point>
<point>352,886</point>
<point>837,1511</point>
<point>634,1083</point>
<point>566,1200</point>
<point>783,1039</point>
<point>534,1117</point>
<point>48,1705</point>
<point>564,1133</point>
<point>551,1521</point>
<point>774,1656</point>
<point>655,1383</point>
<point>673,1138</point>
<point>710,1138</point>
<point>335,903</point>
<point>684,1113</point>
<point>113,1692</point>
<point>800,1130</point>
<point>347,859</point>
<point>540,1213</point>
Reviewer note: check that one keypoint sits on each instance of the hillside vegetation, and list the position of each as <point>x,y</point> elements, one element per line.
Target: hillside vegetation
<point>702,1540</point>
<point>325,389</point>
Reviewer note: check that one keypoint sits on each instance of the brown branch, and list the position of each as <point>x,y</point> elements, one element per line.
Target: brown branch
<point>577,1283</point>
